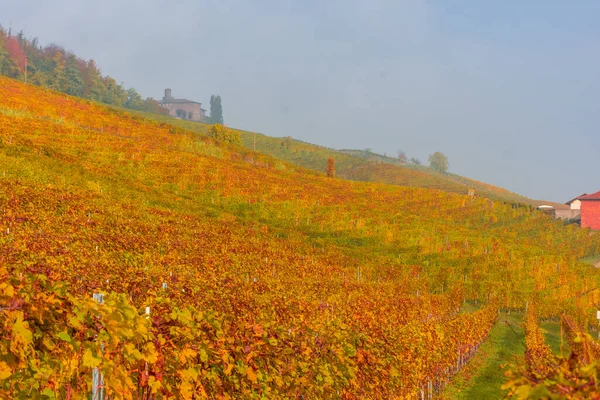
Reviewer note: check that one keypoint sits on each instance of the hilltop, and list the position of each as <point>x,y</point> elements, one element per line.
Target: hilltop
<point>229,273</point>
<point>56,68</point>
<point>361,165</point>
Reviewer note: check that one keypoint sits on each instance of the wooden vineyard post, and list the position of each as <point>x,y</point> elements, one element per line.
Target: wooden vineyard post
<point>598,317</point>
<point>561,336</point>
<point>97,377</point>
<point>146,363</point>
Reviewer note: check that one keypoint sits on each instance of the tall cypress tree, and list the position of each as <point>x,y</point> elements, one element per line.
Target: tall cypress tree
<point>216,110</point>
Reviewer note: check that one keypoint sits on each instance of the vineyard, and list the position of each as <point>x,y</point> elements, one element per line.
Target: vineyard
<point>548,375</point>
<point>223,273</point>
<point>370,168</point>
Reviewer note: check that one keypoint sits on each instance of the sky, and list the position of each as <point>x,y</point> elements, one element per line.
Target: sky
<point>508,90</point>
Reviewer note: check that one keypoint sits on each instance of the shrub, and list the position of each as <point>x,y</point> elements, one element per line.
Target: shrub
<point>221,132</point>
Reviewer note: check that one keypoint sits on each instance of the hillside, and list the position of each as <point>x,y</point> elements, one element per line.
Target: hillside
<point>228,273</point>
<point>373,167</point>
<point>360,165</point>
<point>56,68</point>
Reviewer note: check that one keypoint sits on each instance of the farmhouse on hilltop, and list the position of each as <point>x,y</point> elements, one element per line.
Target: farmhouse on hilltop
<point>182,108</point>
<point>590,211</point>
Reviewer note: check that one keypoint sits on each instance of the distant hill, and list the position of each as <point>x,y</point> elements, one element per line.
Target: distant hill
<point>363,165</point>
<point>388,169</point>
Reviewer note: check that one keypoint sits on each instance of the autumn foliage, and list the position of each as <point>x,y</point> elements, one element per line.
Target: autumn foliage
<point>546,375</point>
<point>15,52</point>
<point>330,169</point>
<point>221,132</point>
<point>58,69</point>
<point>262,280</point>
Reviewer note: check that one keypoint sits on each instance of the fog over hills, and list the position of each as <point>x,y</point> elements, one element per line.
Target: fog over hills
<point>507,91</point>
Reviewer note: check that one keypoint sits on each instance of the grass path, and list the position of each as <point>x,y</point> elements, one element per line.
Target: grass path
<point>552,333</point>
<point>483,377</point>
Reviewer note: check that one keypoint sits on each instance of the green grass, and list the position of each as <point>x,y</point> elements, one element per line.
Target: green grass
<point>483,377</point>
<point>470,306</point>
<point>552,333</point>
<point>592,260</point>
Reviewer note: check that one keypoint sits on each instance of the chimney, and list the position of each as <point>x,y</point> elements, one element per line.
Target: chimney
<point>167,95</point>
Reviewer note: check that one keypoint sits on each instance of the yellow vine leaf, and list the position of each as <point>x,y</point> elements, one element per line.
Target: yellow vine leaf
<point>89,360</point>
<point>5,371</point>
<point>251,374</point>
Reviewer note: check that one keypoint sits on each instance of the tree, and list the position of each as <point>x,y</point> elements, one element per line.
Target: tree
<point>216,110</point>
<point>415,161</point>
<point>330,169</point>
<point>59,75</point>
<point>73,74</point>
<point>286,143</point>
<point>93,84</point>
<point>438,161</point>
<point>402,156</point>
<point>134,100</point>
<point>115,93</point>
<point>4,57</point>
<point>15,53</point>
<point>151,105</point>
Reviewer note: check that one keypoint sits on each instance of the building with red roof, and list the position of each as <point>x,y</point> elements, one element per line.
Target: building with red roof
<point>590,211</point>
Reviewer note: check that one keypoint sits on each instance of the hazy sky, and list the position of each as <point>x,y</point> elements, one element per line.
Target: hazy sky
<point>508,90</point>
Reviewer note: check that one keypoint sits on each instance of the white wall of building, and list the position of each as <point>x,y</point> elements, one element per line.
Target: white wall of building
<point>576,205</point>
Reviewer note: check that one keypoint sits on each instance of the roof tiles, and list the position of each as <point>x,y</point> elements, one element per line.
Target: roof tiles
<point>593,196</point>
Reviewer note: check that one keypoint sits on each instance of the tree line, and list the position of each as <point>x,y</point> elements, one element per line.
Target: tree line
<point>56,68</point>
